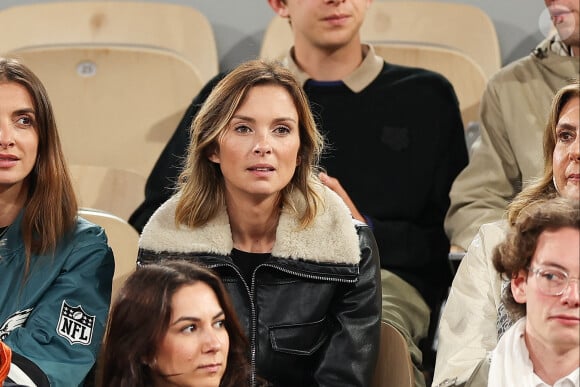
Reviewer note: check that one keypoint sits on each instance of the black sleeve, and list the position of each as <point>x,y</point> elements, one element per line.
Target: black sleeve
<point>163,178</point>
<point>30,369</point>
<point>351,355</point>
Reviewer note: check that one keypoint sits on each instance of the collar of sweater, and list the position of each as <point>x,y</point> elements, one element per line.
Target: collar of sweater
<point>330,238</point>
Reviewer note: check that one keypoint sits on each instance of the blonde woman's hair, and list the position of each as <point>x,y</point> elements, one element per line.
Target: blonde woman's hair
<point>543,187</point>
<point>201,184</point>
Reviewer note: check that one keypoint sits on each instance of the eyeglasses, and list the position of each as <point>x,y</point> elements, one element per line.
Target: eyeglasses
<point>552,281</point>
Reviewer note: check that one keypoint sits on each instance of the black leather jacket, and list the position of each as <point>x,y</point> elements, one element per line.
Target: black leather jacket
<point>311,311</point>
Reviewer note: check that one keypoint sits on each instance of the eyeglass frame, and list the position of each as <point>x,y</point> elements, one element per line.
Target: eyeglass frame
<point>568,279</point>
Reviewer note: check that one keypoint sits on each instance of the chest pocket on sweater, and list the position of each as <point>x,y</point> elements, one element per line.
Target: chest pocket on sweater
<point>299,339</point>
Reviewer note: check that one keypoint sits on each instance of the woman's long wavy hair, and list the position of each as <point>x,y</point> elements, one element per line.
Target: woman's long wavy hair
<point>201,184</point>
<point>544,188</point>
<point>51,206</point>
<point>140,317</point>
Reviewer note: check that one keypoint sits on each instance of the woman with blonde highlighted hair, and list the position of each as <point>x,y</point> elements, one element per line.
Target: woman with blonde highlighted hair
<point>557,135</point>
<point>303,276</point>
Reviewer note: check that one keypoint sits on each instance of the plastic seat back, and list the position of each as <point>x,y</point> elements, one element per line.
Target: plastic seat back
<point>114,107</point>
<point>180,29</point>
<point>394,366</point>
<point>124,242</point>
<point>466,76</point>
<point>114,190</point>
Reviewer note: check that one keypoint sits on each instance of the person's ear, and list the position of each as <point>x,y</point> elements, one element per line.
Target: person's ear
<point>298,160</point>
<point>279,6</point>
<point>519,286</point>
<point>213,155</point>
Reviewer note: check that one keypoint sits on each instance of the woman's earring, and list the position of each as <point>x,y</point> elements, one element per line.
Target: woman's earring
<point>150,364</point>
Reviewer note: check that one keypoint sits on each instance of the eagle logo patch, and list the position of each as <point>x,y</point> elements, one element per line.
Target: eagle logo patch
<point>75,325</point>
<point>15,320</point>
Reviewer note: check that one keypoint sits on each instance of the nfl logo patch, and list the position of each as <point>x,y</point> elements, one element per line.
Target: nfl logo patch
<point>75,325</point>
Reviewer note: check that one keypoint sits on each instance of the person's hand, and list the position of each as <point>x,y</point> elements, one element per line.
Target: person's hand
<point>334,185</point>
<point>456,249</point>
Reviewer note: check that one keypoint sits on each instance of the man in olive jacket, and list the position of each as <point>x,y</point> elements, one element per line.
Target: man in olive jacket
<point>514,112</point>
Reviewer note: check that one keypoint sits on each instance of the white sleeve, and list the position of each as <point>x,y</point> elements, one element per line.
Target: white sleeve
<point>467,330</point>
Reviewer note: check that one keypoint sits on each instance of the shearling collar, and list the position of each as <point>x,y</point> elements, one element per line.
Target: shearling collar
<point>331,238</point>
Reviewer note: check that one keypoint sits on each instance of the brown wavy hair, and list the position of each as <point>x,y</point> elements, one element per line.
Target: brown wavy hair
<point>515,254</point>
<point>201,184</point>
<point>51,207</point>
<point>140,317</point>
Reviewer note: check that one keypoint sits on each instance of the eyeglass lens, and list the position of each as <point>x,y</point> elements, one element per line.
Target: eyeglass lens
<point>552,281</point>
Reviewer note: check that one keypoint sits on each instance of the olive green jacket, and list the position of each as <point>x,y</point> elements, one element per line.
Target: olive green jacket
<point>514,113</point>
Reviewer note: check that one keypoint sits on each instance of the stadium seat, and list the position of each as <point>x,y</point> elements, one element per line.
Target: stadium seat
<point>180,29</point>
<point>463,72</point>
<point>394,366</point>
<point>124,242</point>
<point>114,107</point>
<point>114,190</point>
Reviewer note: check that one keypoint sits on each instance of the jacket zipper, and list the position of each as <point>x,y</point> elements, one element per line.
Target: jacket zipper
<point>307,276</point>
<point>253,319</point>
<point>251,294</point>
